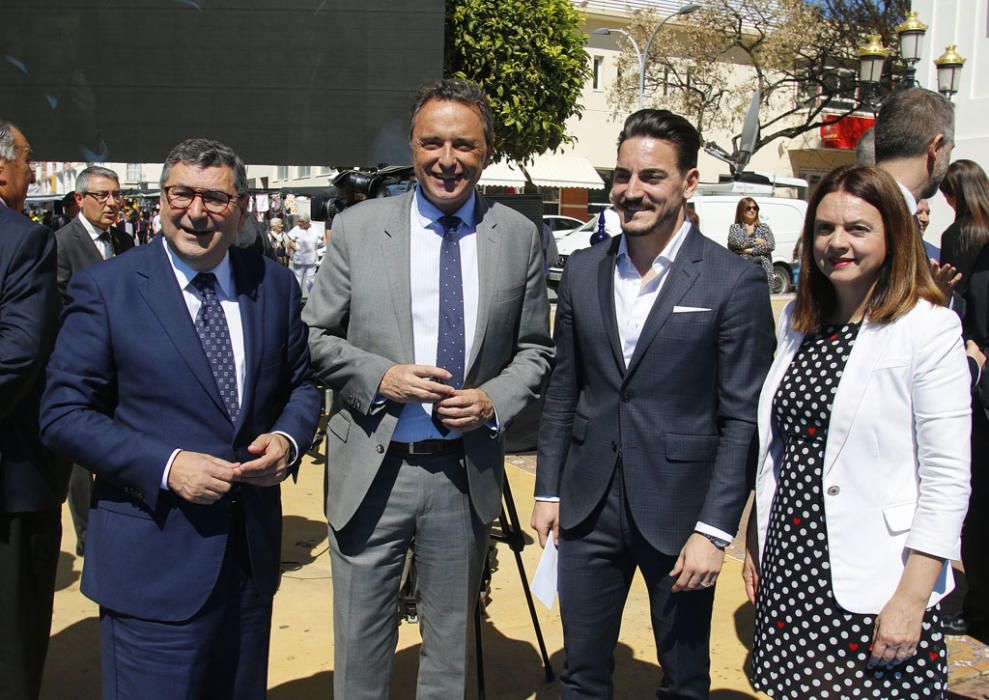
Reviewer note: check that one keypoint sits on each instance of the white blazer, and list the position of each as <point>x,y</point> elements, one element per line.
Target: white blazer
<point>896,463</point>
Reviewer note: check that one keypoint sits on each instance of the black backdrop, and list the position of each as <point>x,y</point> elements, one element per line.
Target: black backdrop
<point>319,82</point>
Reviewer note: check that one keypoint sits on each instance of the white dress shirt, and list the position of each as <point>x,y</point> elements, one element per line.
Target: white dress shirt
<point>227,296</point>
<point>104,245</point>
<point>425,238</point>
<point>908,198</point>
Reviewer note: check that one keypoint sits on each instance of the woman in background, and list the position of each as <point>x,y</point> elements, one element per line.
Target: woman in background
<point>966,189</point>
<point>863,471</point>
<point>751,238</point>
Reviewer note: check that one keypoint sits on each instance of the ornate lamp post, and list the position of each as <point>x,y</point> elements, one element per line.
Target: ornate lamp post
<point>949,71</point>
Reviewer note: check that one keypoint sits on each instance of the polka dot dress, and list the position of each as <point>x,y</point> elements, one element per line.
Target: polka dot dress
<point>806,645</point>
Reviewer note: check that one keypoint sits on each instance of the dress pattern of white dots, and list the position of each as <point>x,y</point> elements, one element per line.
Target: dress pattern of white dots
<point>806,645</point>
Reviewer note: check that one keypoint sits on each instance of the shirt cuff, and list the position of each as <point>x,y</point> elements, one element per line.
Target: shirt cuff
<point>494,425</point>
<point>168,468</point>
<point>706,529</point>
<point>548,499</point>
<point>294,451</point>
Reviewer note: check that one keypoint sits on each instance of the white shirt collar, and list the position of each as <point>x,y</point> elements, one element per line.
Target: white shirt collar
<point>185,274</point>
<point>426,213</point>
<point>666,256</point>
<point>93,232</point>
<point>909,198</point>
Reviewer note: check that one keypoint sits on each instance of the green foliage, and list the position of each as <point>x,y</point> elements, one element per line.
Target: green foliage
<point>529,57</point>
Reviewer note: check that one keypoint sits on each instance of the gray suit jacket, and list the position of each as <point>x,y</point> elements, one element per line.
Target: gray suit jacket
<point>77,250</point>
<point>359,316</point>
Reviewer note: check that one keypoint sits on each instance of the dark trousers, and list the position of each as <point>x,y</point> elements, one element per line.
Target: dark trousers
<point>220,653</point>
<point>29,545</point>
<point>975,533</point>
<point>597,561</point>
<point>80,494</point>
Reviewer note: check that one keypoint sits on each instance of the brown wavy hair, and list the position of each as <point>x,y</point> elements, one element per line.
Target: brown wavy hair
<point>905,276</point>
<point>967,184</point>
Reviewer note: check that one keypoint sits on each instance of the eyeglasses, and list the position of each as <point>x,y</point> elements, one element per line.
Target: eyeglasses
<point>214,201</point>
<point>102,197</point>
<point>751,208</point>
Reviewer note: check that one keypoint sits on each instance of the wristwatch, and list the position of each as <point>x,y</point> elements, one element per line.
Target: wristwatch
<point>716,541</point>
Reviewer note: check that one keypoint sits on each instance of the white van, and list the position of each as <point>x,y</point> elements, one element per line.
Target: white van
<point>784,215</point>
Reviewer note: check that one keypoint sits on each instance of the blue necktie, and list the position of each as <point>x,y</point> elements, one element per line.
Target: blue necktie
<point>211,324</point>
<point>450,345</point>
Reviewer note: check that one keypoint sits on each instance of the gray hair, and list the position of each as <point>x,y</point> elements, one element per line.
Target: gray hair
<point>8,151</point>
<point>207,153</point>
<point>456,90</point>
<point>909,120</point>
<point>865,149</point>
<point>82,181</point>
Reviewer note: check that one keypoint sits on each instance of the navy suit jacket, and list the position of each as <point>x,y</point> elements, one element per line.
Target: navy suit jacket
<point>129,383</point>
<point>30,480</point>
<point>682,416</point>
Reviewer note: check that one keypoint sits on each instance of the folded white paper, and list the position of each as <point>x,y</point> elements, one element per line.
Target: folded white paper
<point>544,582</point>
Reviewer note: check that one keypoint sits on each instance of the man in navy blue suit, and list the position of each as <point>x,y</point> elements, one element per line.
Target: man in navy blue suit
<point>663,340</point>
<point>32,485</point>
<point>181,379</point>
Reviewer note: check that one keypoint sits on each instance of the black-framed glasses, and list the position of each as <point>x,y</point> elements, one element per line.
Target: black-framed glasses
<point>102,197</point>
<point>214,201</point>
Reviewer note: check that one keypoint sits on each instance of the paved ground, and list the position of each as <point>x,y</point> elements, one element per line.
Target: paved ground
<point>301,648</point>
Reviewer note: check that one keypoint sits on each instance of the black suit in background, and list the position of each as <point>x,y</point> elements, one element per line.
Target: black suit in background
<point>76,250</point>
<point>639,455</point>
<point>32,488</point>
<point>975,533</point>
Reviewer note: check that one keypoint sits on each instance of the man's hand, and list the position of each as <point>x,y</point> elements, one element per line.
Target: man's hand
<point>546,518</point>
<point>466,410</point>
<point>973,350</point>
<point>698,565</point>
<point>271,467</point>
<point>415,384</point>
<point>945,276</point>
<point>200,478</point>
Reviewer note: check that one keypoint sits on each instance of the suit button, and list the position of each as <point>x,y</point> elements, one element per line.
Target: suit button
<point>833,490</point>
<point>626,396</point>
<point>379,448</point>
<point>614,446</point>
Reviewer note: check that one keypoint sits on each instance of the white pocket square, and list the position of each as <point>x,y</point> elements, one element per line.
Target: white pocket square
<point>688,309</point>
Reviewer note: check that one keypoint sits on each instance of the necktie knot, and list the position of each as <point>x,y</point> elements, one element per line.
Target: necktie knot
<point>450,225</point>
<point>205,285</point>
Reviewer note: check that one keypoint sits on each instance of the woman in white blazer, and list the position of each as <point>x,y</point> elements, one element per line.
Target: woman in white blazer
<point>862,478</point>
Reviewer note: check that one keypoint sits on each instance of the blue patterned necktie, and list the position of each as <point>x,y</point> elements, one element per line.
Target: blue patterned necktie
<point>450,343</point>
<point>211,324</point>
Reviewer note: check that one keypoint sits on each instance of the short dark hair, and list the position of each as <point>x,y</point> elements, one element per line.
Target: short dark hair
<point>207,153</point>
<point>909,120</point>
<point>664,124</point>
<point>456,90</point>
<point>904,278</point>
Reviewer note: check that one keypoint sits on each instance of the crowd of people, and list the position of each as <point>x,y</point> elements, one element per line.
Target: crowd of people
<point>670,395</point>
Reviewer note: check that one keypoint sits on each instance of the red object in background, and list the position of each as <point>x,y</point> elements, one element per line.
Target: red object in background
<point>844,133</point>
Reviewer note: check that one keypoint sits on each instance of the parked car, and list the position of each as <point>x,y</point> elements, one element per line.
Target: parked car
<point>784,215</point>
<point>560,225</point>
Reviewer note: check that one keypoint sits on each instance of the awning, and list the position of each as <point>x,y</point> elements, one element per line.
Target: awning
<point>547,171</point>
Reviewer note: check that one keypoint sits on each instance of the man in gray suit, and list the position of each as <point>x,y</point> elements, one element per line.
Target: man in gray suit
<point>87,239</point>
<point>430,322</point>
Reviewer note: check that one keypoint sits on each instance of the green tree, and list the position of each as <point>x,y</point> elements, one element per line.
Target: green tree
<point>529,57</point>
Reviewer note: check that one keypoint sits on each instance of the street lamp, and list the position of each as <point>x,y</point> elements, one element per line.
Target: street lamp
<point>949,71</point>
<point>872,56</point>
<point>644,56</point>
<point>909,35</point>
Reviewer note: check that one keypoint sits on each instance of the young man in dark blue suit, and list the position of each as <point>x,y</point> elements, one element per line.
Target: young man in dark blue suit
<point>32,485</point>
<point>181,379</point>
<point>663,339</point>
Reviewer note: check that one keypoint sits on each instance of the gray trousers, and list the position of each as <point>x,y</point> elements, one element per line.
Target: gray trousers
<point>425,498</point>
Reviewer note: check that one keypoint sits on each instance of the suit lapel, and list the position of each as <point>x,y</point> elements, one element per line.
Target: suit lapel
<point>606,297</point>
<point>86,242</point>
<point>488,263</point>
<point>848,397</point>
<point>246,278</point>
<point>679,279</point>
<point>395,252</point>
<point>161,293</point>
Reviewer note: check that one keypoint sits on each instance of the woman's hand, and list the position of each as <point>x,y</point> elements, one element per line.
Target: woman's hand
<point>897,630</point>
<point>750,567</point>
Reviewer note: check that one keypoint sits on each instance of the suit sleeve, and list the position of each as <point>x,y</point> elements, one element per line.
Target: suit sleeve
<point>80,396</point>
<point>352,372</point>
<point>561,396</point>
<point>28,314</point>
<point>64,267</point>
<point>745,353</point>
<point>942,424</point>
<point>521,381</point>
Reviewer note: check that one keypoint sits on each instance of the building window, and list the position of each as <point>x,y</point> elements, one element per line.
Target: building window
<point>304,171</point>
<point>133,172</point>
<point>596,79</point>
<point>282,172</point>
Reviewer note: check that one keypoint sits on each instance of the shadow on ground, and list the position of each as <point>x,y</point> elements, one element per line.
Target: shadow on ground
<point>303,541</point>
<point>73,663</point>
<point>65,574</point>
